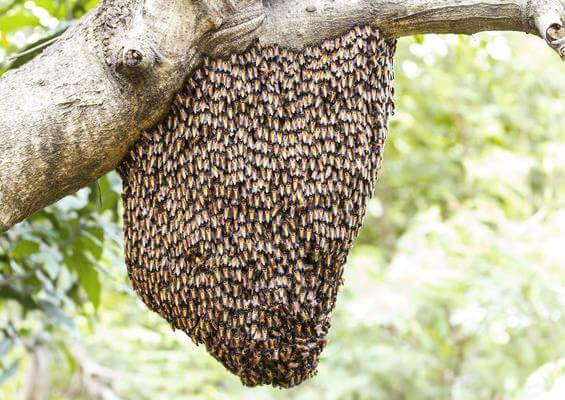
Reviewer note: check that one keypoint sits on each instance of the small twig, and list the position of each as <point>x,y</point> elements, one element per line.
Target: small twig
<point>8,7</point>
<point>96,379</point>
<point>99,194</point>
<point>31,50</point>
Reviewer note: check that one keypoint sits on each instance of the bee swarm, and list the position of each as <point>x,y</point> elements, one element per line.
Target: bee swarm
<point>241,206</point>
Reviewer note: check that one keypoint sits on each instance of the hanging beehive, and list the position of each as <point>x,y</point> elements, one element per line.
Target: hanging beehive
<point>241,206</point>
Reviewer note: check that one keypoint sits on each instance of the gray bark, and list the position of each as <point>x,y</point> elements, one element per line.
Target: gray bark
<point>70,115</point>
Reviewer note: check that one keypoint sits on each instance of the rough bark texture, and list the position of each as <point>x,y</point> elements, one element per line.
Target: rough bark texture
<point>70,115</point>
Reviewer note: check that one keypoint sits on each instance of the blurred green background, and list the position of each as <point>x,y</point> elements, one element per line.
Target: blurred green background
<point>454,290</point>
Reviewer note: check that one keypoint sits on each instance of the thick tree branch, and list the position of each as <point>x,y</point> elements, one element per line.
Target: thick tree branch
<point>295,23</point>
<point>70,115</point>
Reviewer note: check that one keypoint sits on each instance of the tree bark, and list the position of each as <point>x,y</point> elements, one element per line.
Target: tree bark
<point>70,115</point>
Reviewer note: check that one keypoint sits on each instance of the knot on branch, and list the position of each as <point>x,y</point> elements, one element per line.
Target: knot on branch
<point>548,17</point>
<point>555,37</point>
<point>132,58</point>
<point>136,57</point>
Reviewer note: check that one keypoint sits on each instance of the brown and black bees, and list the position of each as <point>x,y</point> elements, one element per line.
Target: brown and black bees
<point>241,206</point>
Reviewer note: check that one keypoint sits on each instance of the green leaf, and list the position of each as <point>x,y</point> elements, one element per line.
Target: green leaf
<point>11,293</point>
<point>18,20</point>
<point>88,276</point>
<point>24,248</point>
<point>92,240</point>
<point>89,279</point>
<point>73,366</point>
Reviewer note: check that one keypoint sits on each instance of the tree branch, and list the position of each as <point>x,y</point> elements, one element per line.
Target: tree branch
<point>70,115</point>
<point>296,24</point>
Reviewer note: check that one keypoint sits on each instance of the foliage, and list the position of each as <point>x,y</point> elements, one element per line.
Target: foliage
<point>454,290</point>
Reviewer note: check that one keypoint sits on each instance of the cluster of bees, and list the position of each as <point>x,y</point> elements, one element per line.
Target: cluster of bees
<point>241,206</point>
